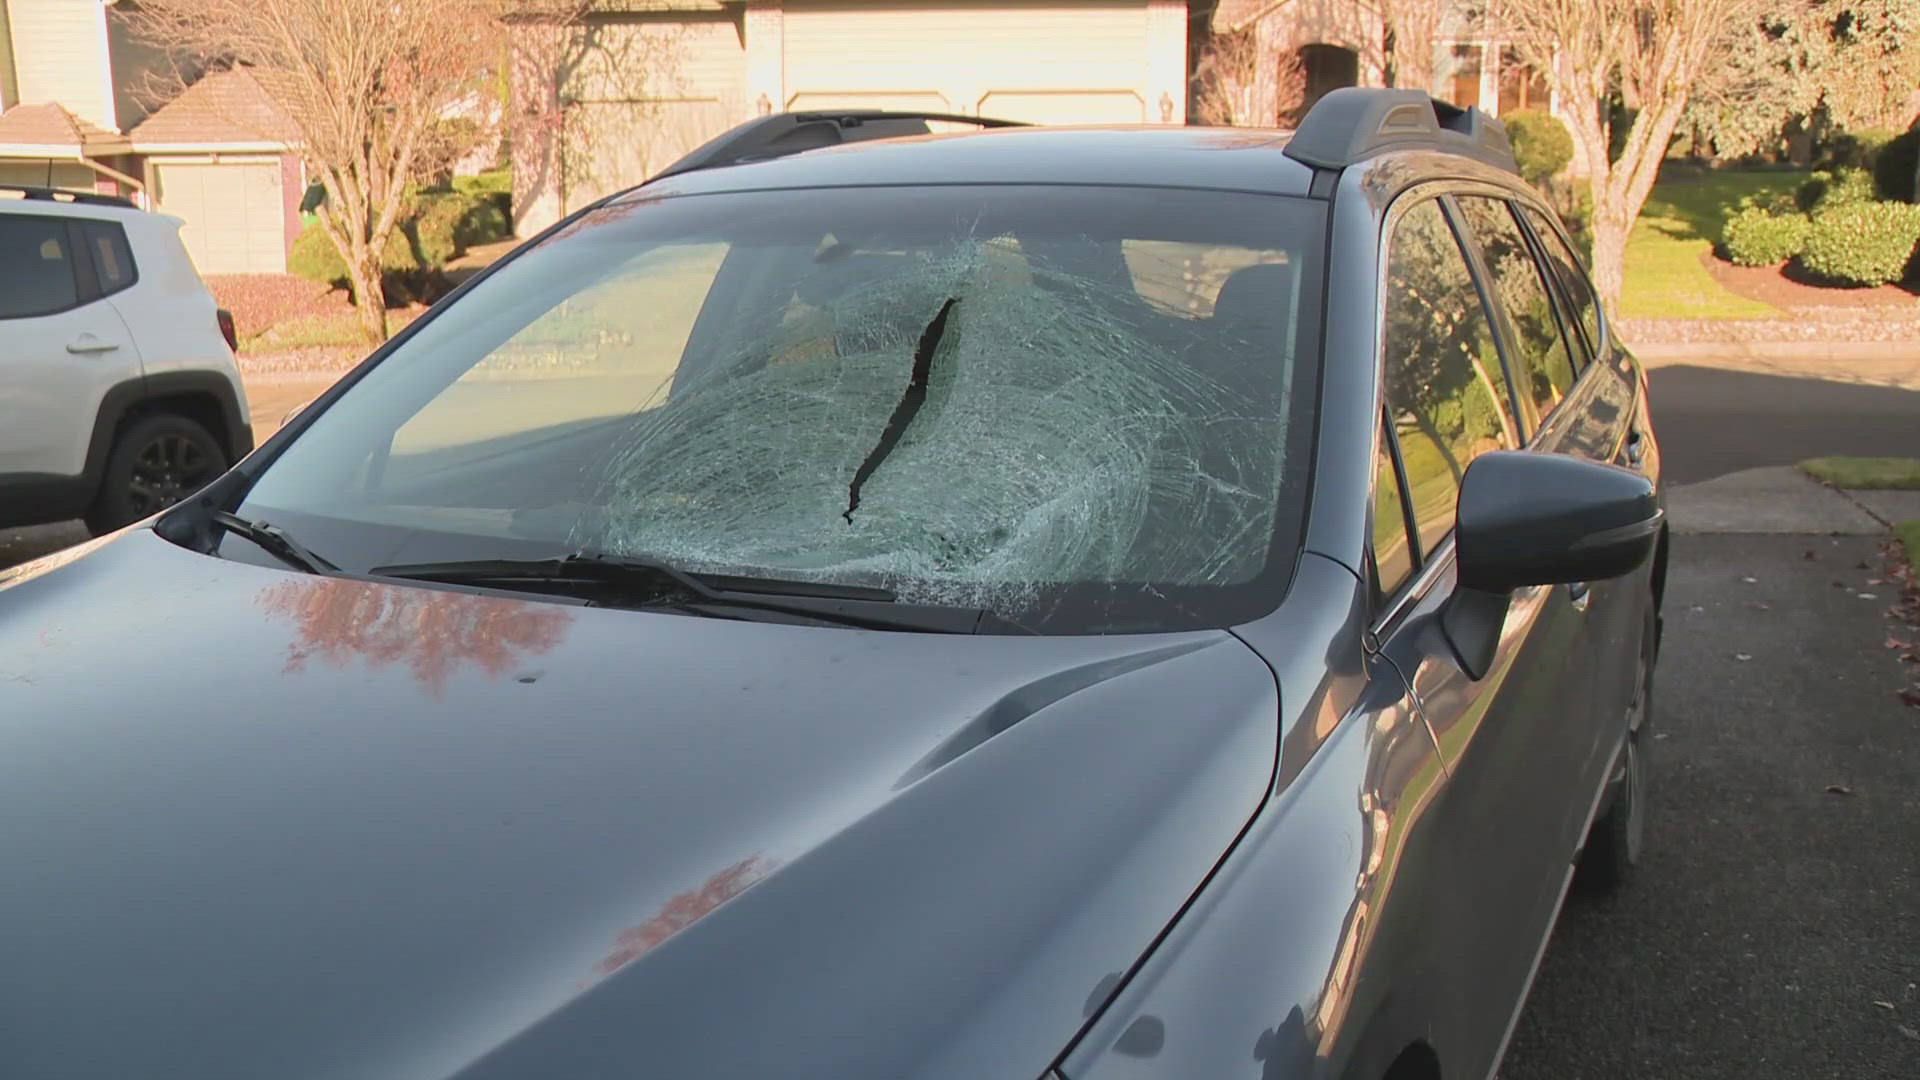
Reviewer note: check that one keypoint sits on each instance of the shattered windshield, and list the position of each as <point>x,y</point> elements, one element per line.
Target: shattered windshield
<point>1081,408</point>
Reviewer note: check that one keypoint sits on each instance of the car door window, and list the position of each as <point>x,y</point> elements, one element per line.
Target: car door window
<point>1542,362</point>
<point>36,267</point>
<point>1573,282</point>
<point>1444,387</point>
<point>1392,554</point>
<point>112,258</point>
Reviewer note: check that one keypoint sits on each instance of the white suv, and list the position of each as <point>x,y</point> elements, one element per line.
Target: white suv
<point>118,391</point>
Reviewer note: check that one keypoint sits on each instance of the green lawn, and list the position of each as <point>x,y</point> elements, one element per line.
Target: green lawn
<point>1682,219</point>
<point>1873,473</point>
<point>1909,534</point>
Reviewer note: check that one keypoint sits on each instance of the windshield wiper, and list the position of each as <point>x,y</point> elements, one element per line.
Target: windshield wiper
<point>274,541</point>
<point>846,605</point>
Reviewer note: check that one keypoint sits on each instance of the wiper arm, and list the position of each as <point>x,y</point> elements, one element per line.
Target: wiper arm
<point>274,541</point>
<point>847,605</point>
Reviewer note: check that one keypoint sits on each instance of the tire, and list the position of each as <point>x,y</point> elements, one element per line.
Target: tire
<point>1615,839</point>
<point>156,461</point>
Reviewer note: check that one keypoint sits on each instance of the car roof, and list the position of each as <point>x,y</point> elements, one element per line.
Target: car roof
<point>96,211</point>
<point>1238,159</point>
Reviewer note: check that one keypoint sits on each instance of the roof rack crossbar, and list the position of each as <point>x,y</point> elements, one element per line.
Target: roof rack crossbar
<point>1355,123</point>
<point>793,132</point>
<point>67,195</point>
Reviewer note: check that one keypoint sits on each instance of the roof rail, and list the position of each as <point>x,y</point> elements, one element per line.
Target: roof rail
<point>67,195</point>
<point>793,132</point>
<point>1356,123</point>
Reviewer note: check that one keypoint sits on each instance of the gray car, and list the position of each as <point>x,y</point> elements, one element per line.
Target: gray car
<point>1087,604</point>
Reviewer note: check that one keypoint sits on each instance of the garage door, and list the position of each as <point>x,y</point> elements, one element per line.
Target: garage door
<point>235,217</point>
<point>1061,62</point>
<point>44,174</point>
<point>645,95</point>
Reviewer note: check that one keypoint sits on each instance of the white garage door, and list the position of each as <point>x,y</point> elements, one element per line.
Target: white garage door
<point>1058,61</point>
<point>235,217</point>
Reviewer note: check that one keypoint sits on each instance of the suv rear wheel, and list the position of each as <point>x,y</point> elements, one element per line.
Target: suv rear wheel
<point>155,462</point>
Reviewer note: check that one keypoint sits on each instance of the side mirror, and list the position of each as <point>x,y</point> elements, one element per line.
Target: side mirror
<point>1539,519</point>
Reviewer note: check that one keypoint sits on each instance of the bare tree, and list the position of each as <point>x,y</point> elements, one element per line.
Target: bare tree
<point>1656,55</point>
<point>365,83</point>
<point>1412,29</point>
<point>1246,79</point>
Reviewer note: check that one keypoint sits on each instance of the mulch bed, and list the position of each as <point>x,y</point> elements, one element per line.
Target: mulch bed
<point>260,301</point>
<point>1783,287</point>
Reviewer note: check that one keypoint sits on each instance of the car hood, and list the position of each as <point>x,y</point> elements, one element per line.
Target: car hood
<point>261,824</point>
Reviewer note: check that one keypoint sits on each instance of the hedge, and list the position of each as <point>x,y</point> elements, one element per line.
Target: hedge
<point>1863,244</point>
<point>438,228</point>
<point>1542,145</point>
<point>1756,236</point>
<point>1893,169</point>
<point>1842,187</point>
<point>1859,149</point>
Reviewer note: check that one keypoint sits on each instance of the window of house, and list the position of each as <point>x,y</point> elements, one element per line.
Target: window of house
<point>1543,363</point>
<point>1521,87</point>
<point>36,267</point>
<point>1464,75</point>
<point>1573,282</point>
<point>1445,390</point>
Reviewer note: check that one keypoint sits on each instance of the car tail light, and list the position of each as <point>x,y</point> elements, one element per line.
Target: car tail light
<point>225,318</point>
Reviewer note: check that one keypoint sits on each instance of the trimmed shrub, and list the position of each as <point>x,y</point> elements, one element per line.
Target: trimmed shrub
<point>314,257</point>
<point>1842,187</point>
<point>1542,145</point>
<point>1858,149</point>
<point>1863,244</point>
<point>495,186</point>
<point>1893,169</point>
<point>1756,236</point>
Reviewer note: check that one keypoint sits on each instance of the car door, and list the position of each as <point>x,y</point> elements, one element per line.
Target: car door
<point>61,347</point>
<point>1541,358</point>
<point>1501,821</point>
<point>1605,421</point>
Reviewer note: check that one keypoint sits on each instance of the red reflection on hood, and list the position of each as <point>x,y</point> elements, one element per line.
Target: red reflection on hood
<point>433,632</point>
<point>684,910</point>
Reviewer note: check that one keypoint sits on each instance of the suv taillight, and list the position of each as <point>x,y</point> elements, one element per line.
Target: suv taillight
<point>225,319</point>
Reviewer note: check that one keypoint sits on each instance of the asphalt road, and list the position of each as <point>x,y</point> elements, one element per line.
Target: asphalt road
<point>1714,420</point>
<point>1772,929</point>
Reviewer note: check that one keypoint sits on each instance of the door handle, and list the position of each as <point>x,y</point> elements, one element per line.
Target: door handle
<point>1580,595</point>
<point>1636,447</point>
<point>87,343</point>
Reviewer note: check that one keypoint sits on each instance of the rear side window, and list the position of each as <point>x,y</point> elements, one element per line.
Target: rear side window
<point>1543,365</point>
<point>1444,388</point>
<point>1392,555</point>
<point>112,257</point>
<point>1573,282</point>
<point>36,267</point>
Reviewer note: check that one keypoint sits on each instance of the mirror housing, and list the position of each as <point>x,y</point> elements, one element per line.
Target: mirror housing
<point>1529,518</point>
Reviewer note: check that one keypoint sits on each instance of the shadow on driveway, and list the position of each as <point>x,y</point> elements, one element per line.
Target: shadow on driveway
<point>1712,421</point>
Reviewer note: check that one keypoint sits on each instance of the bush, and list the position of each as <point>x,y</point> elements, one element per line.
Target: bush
<point>1842,187</point>
<point>495,186</point>
<point>1893,169</point>
<point>1858,149</point>
<point>314,257</point>
<point>1542,145</point>
<point>1863,244</point>
<point>1757,236</point>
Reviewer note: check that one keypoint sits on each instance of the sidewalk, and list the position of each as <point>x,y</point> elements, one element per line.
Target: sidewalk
<point>1782,500</point>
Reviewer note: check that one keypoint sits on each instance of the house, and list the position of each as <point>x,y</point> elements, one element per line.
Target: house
<point>76,111</point>
<point>647,80</point>
<point>644,81</point>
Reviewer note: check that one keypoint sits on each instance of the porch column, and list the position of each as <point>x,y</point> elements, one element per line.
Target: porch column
<point>1166,62</point>
<point>766,57</point>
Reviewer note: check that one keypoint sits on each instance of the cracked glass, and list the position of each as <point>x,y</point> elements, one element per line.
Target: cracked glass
<point>1084,409</point>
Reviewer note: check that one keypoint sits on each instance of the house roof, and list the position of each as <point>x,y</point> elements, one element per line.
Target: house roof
<point>51,128</point>
<point>237,106</point>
